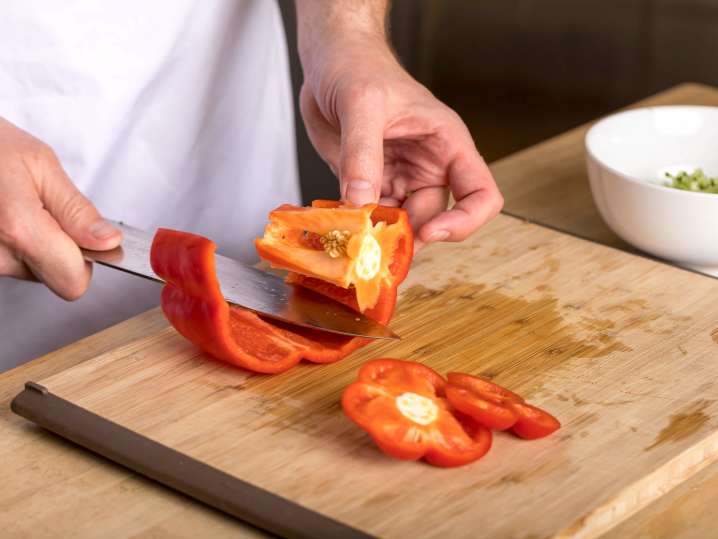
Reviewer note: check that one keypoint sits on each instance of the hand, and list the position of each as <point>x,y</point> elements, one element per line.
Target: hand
<point>44,218</point>
<point>390,140</point>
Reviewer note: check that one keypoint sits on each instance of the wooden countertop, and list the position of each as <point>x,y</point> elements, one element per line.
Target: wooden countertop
<point>74,492</point>
<point>548,184</point>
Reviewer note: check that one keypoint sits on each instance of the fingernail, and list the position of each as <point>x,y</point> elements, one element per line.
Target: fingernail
<point>360,192</point>
<point>102,230</point>
<point>438,235</point>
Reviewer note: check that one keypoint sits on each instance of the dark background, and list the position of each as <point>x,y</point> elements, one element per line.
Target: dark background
<point>520,71</point>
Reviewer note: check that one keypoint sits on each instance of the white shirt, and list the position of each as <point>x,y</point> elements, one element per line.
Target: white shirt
<point>173,113</point>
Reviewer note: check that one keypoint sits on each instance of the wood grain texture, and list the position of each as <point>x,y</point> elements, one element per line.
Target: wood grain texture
<point>617,346</point>
<point>51,488</point>
<point>87,491</point>
<point>690,511</point>
<point>548,183</point>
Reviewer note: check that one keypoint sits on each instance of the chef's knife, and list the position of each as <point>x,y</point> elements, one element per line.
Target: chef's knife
<point>249,287</point>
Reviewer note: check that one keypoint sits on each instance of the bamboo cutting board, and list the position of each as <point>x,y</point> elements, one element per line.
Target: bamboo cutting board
<point>622,349</point>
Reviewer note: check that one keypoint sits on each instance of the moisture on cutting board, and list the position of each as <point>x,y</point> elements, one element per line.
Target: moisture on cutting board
<point>683,424</point>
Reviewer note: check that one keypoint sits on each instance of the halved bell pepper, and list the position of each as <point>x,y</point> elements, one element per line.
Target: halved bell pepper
<point>192,302</point>
<point>401,405</point>
<point>342,245</point>
<point>498,408</point>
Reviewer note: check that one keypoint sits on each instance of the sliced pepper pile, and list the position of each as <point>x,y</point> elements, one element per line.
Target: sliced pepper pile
<point>192,302</point>
<point>411,412</point>
<point>402,405</point>
<point>498,408</point>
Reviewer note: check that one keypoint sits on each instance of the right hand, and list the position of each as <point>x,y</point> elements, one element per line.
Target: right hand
<point>44,219</point>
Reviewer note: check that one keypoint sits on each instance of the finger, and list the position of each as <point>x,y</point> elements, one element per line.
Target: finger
<point>10,266</point>
<point>37,240</point>
<point>361,165</point>
<point>75,214</point>
<point>424,204</point>
<point>323,136</point>
<point>397,185</point>
<point>389,201</point>
<point>477,201</point>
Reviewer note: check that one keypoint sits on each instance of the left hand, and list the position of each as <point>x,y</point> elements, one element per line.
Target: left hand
<point>390,140</point>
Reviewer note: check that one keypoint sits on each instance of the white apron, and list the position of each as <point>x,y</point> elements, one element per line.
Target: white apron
<point>172,113</point>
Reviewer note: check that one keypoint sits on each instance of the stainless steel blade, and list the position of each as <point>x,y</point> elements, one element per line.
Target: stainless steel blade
<point>249,287</point>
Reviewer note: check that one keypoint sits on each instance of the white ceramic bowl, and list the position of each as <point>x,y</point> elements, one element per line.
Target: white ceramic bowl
<point>628,155</point>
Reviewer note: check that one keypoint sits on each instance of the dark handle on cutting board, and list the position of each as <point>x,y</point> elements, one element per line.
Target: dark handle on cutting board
<point>196,479</point>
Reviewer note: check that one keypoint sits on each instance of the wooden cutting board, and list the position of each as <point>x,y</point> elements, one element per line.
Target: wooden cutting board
<point>622,349</point>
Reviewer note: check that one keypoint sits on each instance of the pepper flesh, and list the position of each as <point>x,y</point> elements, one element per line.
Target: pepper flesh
<point>498,408</point>
<point>192,302</point>
<point>401,405</point>
<point>342,245</point>
<point>534,422</point>
<point>488,403</point>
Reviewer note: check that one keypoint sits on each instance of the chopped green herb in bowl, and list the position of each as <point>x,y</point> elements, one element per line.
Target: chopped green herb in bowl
<point>695,181</point>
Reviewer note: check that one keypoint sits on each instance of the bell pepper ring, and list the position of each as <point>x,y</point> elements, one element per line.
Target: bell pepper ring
<point>192,302</point>
<point>497,408</point>
<point>401,405</point>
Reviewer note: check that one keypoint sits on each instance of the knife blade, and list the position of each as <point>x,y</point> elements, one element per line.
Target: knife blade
<point>259,291</point>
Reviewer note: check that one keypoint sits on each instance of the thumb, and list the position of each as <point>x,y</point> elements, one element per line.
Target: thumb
<point>361,166</point>
<point>75,214</point>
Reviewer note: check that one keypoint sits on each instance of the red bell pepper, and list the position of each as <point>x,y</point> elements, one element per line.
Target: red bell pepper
<point>361,248</point>
<point>486,402</point>
<point>193,303</point>
<point>401,405</point>
<point>498,408</point>
<point>534,422</point>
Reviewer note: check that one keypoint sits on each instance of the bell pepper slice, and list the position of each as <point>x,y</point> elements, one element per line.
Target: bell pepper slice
<point>342,245</point>
<point>534,422</point>
<point>192,302</point>
<point>488,403</point>
<point>497,408</point>
<point>401,405</point>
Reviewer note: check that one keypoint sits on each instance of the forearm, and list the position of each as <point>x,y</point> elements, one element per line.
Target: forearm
<point>322,23</point>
